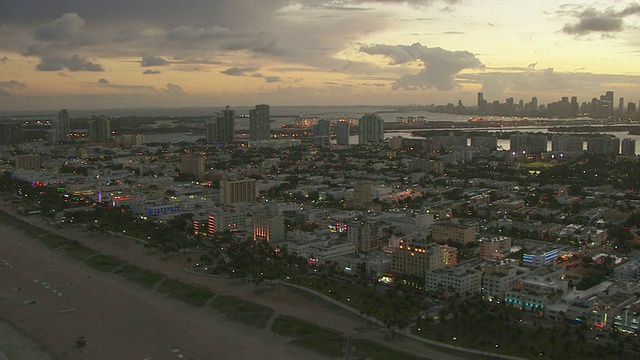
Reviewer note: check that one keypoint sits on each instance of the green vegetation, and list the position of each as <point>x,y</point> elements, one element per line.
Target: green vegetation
<point>104,263</point>
<point>242,311</point>
<point>502,332</point>
<point>368,350</point>
<point>140,276</point>
<point>184,292</point>
<point>78,251</point>
<point>324,341</point>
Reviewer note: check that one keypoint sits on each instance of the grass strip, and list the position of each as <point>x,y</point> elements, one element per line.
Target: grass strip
<point>104,263</point>
<point>143,277</point>
<point>242,311</point>
<point>327,342</point>
<point>368,350</point>
<point>54,241</point>
<point>184,292</point>
<point>78,251</point>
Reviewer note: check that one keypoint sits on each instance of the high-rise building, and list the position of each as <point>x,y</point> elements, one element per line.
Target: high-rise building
<point>482,104</point>
<point>603,145</point>
<point>222,129</point>
<point>621,106</point>
<point>63,127</point>
<point>631,108</point>
<point>342,132</point>
<point>130,140</point>
<point>237,191</point>
<point>370,129</point>
<point>259,123</point>
<point>100,129</point>
<point>629,147</point>
<point>567,144</point>
<point>322,133</point>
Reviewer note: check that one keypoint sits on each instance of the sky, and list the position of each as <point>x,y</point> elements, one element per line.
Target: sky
<point>95,54</point>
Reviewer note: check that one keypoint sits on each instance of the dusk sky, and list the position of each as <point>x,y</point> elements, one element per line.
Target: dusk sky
<point>80,54</point>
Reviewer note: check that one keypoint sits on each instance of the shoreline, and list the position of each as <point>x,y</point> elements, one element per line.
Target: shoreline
<point>14,344</point>
<point>263,342</point>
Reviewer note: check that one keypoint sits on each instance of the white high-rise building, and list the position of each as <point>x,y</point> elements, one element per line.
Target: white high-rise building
<point>370,129</point>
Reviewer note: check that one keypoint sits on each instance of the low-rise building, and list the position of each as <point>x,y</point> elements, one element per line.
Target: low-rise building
<point>458,280</point>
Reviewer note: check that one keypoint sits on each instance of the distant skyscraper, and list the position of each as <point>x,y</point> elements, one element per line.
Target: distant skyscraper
<point>259,123</point>
<point>342,132</point>
<point>370,129</point>
<point>575,107</point>
<point>621,106</point>
<point>606,104</point>
<point>322,132</point>
<point>63,127</point>
<point>100,129</point>
<point>222,129</point>
<point>482,104</point>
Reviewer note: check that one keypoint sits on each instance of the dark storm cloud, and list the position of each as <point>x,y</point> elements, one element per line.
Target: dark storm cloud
<point>590,20</point>
<point>64,28</point>
<point>440,66</point>
<point>151,72</point>
<point>153,61</point>
<point>236,71</point>
<point>72,63</point>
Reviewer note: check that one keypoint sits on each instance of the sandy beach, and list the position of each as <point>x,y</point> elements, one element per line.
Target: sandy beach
<point>55,299</point>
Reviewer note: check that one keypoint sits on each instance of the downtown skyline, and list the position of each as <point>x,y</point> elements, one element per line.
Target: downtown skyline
<point>132,54</point>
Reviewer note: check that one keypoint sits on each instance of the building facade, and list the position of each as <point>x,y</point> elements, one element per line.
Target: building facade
<point>370,129</point>
<point>259,123</point>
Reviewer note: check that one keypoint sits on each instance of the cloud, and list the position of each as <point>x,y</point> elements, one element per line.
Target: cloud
<point>66,27</point>
<point>591,20</point>
<point>72,63</point>
<point>5,86</point>
<point>440,66</point>
<point>174,90</point>
<point>272,79</point>
<point>135,88</point>
<point>236,71</point>
<point>188,33</point>
<point>153,61</point>
<point>151,72</point>
<point>13,84</point>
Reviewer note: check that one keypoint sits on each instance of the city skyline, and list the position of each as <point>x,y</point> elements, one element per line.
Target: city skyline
<point>127,54</point>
